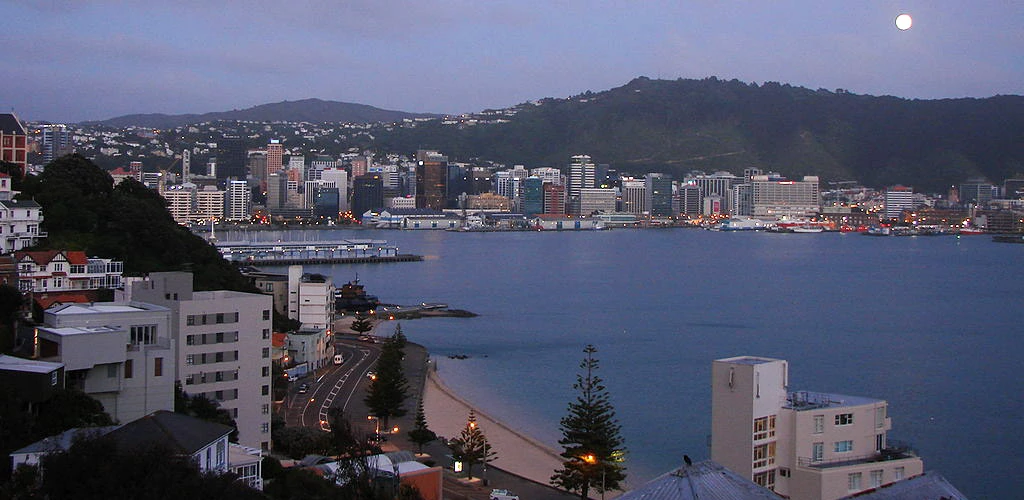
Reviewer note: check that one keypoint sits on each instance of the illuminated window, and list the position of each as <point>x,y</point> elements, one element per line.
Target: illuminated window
<point>764,427</point>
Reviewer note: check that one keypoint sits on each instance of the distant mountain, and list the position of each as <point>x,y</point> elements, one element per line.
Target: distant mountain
<point>306,110</point>
<point>676,126</point>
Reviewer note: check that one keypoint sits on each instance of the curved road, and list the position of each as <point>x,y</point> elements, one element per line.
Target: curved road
<point>336,386</point>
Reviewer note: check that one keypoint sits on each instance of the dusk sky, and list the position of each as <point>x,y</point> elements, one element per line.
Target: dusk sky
<point>90,60</point>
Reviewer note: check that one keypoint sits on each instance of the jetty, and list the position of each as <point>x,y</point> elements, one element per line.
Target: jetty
<point>312,252</point>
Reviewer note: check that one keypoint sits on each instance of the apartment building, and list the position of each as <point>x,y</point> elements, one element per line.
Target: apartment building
<point>224,343</point>
<point>120,353</point>
<point>802,445</point>
<point>19,219</point>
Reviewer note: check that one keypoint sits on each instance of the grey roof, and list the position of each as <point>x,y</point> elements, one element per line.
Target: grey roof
<point>10,124</point>
<point>20,204</point>
<point>64,440</point>
<point>15,364</point>
<point>706,480</point>
<point>182,433</point>
<point>928,486</point>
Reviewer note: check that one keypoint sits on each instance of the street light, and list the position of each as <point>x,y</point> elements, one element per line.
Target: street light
<point>590,459</point>
<point>376,427</point>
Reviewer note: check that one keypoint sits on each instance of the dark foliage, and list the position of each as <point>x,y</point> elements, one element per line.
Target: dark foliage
<point>11,301</point>
<point>387,393</point>
<point>420,433</point>
<point>204,409</point>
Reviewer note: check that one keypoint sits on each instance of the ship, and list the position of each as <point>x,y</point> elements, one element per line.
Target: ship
<point>351,297</point>
<point>741,224</point>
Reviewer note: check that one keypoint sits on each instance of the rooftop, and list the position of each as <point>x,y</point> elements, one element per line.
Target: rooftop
<point>104,308</point>
<point>807,400</point>
<point>9,124</point>
<point>67,331</point>
<point>15,364</point>
<point>706,480</point>
<point>749,360</point>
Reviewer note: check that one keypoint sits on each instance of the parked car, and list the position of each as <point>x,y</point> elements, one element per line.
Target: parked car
<point>497,494</point>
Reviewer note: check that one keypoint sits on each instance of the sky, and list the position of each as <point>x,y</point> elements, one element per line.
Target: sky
<point>76,60</point>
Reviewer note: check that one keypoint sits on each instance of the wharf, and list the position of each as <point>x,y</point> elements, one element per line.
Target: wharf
<point>313,252</point>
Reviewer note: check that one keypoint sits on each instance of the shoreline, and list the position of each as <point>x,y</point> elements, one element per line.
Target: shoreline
<point>517,453</point>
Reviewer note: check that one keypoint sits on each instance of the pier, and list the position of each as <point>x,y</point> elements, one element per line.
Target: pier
<point>312,252</point>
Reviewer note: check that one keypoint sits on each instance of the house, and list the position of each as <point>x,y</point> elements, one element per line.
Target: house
<point>65,270</point>
<point>19,219</point>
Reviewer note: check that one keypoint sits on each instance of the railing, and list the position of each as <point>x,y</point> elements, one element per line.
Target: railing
<point>890,453</point>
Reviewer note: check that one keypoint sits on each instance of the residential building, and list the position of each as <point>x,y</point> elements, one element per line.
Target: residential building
<point>702,480</point>
<point>224,344</point>
<point>311,347</point>
<point>801,444</point>
<point>581,176</point>
<point>13,141</point>
<point>777,197</point>
<point>310,298</point>
<point>431,176</point>
<point>119,353</point>
<point>54,142</point>
<point>19,219</point>
<point>180,201</point>
<point>209,204</point>
<point>31,380</point>
<point>898,199</point>
<point>658,194</point>
<point>61,270</point>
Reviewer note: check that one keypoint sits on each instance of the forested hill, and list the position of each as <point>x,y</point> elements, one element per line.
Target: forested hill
<point>306,110</point>
<point>711,124</point>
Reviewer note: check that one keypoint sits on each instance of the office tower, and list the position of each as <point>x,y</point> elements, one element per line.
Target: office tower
<point>742,200</point>
<point>275,157</point>
<point>232,159</point>
<point>800,444</point>
<point>318,165</point>
<point>777,197</point>
<point>976,191</point>
<point>367,194</point>
<point>1013,189</point>
<point>898,199</point>
<point>480,180</point>
<point>581,176</point>
<point>431,177</point>
<point>554,199</point>
<point>690,200</point>
<point>548,174</point>
<point>238,200</point>
<point>361,166</point>
<point>186,165</point>
<point>55,141</point>
<point>596,200</point>
<point>634,196</point>
<point>326,203</point>
<point>258,166</point>
<point>297,167</point>
<point>211,167</point>
<point>533,196</point>
<point>13,141</point>
<point>457,183</point>
<point>658,194</point>
<point>223,341</point>
<point>277,191</point>
<point>338,177</point>
<point>716,184</point>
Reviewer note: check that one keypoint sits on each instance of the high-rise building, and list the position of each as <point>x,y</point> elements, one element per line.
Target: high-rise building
<point>232,159</point>
<point>634,196</point>
<point>431,177</point>
<point>13,141</point>
<point>658,194</point>
<point>976,191</point>
<point>457,184</point>
<point>717,184</point>
<point>367,194</point>
<point>898,199</point>
<point>238,201</point>
<point>554,199</point>
<point>277,191</point>
<point>581,176</point>
<point>1013,189</point>
<point>548,174</point>
<point>800,444</point>
<point>54,142</point>
<point>338,178</point>
<point>778,197</point>
<point>690,200</point>
<point>533,196</point>
<point>596,200</point>
<point>275,157</point>
<point>224,342</point>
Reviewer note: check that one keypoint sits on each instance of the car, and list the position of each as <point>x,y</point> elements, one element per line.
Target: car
<point>497,494</point>
<point>339,359</point>
<point>372,375</point>
<point>304,388</point>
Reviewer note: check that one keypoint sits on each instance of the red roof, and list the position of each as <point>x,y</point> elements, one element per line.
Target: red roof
<point>77,257</point>
<point>44,257</point>
<point>48,299</point>
<point>280,339</point>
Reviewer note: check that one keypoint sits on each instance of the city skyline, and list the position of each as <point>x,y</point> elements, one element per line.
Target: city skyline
<point>91,61</point>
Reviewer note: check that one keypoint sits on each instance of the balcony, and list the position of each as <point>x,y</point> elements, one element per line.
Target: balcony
<point>895,451</point>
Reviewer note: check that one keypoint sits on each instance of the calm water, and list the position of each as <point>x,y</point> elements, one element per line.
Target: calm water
<point>933,325</point>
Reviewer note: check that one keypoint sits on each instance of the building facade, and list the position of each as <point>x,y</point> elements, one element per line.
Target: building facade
<point>658,194</point>
<point>777,197</point>
<point>19,219</point>
<point>582,172</point>
<point>431,177</point>
<point>898,199</point>
<point>13,141</point>
<point>63,270</point>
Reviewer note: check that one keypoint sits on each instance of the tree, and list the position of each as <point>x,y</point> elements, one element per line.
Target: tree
<point>388,391</point>
<point>594,451</point>
<point>67,409</point>
<point>420,434</point>
<point>200,407</point>
<point>361,324</point>
<point>471,447</point>
<point>11,302</point>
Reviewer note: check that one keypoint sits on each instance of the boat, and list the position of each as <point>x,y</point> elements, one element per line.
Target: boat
<point>741,224</point>
<point>877,231</point>
<point>351,297</point>
<point>850,229</point>
<point>807,228</point>
<point>970,231</point>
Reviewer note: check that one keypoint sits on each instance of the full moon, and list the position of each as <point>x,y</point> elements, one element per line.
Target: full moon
<point>904,21</point>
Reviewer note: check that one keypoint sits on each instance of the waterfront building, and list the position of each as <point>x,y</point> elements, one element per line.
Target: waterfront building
<point>489,201</point>
<point>551,222</point>
<point>231,158</point>
<point>800,444</point>
<point>431,176</point>
<point>898,199</point>
<point>13,141</point>
<point>976,191</point>
<point>238,200</point>
<point>326,203</point>
<point>581,176</point>
<point>415,218</point>
<point>742,200</point>
<point>457,183</point>
<point>554,199</point>
<point>480,180</point>
<point>597,200</point>
<point>718,184</point>
<point>406,202</point>
<point>367,194</point>
<point>507,184</point>
<point>634,196</point>
<point>777,197</point>
<point>54,142</point>
<point>691,201</point>
<point>224,343</point>
<point>1013,189</point>
<point>119,353</point>
<point>275,157</point>
<point>21,218</point>
<point>533,196</point>
<point>658,194</point>
<point>64,270</point>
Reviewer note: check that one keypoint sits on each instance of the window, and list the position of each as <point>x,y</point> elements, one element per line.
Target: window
<point>111,370</point>
<point>880,417</point>
<point>764,427</point>
<point>53,378</point>
<point>219,357</point>
<point>265,409</point>
<point>853,481</point>
<point>842,446</point>
<point>266,333</point>
<point>218,377</point>
<point>143,334</point>
<point>897,473</point>
<point>844,419</point>
<point>266,371</point>
<point>190,359</point>
<point>817,451</point>
<point>876,478</point>
<point>191,320</point>
<point>264,427</point>
<point>220,318</point>
<point>879,442</point>
<point>220,452</point>
<point>819,424</point>
<point>764,455</point>
<point>265,390</point>
<point>266,352</point>
<point>784,471</point>
<point>190,379</point>
<point>766,479</point>
<point>266,314</point>
<point>190,340</point>
<point>127,368</point>
<point>158,367</point>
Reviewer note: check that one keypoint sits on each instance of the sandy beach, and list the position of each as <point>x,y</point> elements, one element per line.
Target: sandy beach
<point>517,453</point>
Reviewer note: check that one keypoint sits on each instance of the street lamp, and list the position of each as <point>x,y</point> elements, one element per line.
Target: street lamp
<point>590,459</point>
<point>376,428</point>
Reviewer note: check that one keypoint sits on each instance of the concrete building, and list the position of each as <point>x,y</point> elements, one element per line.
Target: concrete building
<point>801,445</point>
<point>310,298</point>
<point>13,141</point>
<point>224,344</point>
<point>554,199</point>
<point>119,353</point>
<point>275,157</point>
<point>581,176</point>
<point>777,197</point>
<point>238,201</point>
<point>717,184</point>
<point>54,142</point>
<point>658,194</point>
<point>634,196</point>
<point>549,174</point>
<point>596,200</point>
<point>898,199</point>
<point>19,219</point>
<point>976,191</point>
<point>431,177</point>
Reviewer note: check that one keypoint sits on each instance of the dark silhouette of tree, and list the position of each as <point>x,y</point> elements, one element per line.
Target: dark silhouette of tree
<point>388,391</point>
<point>67,409</point>
<point>471,447</point>
<point>361,324</point>
<point>11,302</point>
<point>591,437</point>
<point>202,408</point>
<point>420,433</point>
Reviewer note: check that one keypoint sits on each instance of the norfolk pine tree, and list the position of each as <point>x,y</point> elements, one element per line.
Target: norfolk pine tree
<point>594,450</point>
<point>471,447</point>
<point>420,434</point>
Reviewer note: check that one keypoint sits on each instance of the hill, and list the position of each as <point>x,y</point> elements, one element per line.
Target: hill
<point>676,126</point>
<point>306,110</point>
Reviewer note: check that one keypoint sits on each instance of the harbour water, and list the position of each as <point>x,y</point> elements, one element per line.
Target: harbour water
<point>931,324</point>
